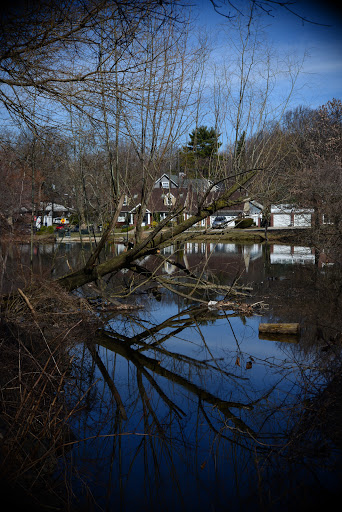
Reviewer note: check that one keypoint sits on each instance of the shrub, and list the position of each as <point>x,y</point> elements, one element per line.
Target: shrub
<point>126,228</point>
<point>46,230</point>
<point>244,223</point>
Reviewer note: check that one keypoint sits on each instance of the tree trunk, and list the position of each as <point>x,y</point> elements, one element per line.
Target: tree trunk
<point>151,243</point>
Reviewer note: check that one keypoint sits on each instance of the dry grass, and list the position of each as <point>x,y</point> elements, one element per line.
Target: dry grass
<point>37,328</point>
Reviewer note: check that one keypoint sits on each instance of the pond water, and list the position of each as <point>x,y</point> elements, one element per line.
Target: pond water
<point>182,406</point>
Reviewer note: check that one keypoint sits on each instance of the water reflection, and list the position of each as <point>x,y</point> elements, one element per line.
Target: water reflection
<point>288,254</point>
<point>185,408</point>
<point>59,258</point>
<point>190,410</point>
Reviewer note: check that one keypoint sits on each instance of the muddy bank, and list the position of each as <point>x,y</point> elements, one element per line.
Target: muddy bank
<point>255,235</point>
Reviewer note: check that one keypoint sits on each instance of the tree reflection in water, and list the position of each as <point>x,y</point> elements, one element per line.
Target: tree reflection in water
<point>183,408</point>
<point>197,413</point>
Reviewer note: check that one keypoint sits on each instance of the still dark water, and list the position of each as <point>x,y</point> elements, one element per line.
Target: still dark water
<point>184,407</point>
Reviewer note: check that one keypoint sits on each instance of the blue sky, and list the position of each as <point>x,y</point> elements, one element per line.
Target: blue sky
<point>320,39</point>
<point>322,72</point>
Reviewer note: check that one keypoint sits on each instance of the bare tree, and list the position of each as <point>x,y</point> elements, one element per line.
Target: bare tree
<point>315,138</point>
<point>159,115</point>
<point>250,102</point>
<point>47,46</point>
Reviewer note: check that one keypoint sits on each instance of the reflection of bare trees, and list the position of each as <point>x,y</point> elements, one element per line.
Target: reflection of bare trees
<point>148,405</point>
<point>308,295</point>
<point>143,363</point>
<point>158,377</point>
<point>266,428</point>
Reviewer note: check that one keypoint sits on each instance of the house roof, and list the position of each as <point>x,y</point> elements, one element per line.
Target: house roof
<point>181,181</point>
<point>290,208</point>
<point>187,197</point>
<point>55,207</point>
<point>173,177</point>
<point>157,201</point>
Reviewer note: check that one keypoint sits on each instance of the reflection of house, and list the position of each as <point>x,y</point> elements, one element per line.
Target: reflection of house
<point>284,215</point>
<point>291,254</point>
<point>170,191</point>
<point>192,253</point>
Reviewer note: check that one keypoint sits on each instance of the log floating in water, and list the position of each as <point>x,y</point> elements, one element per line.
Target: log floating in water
<point>279,328</point>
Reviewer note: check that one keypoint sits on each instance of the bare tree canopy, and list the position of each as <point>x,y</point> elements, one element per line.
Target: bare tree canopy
<point>50,50</point>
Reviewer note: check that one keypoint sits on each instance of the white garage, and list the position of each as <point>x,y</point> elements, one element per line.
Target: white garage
<point>281,220</point>
<point>302,220</point>
<point>285,215</point>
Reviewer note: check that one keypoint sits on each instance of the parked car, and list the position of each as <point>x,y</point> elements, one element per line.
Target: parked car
<point>219,222</point>
<point>58,220</point>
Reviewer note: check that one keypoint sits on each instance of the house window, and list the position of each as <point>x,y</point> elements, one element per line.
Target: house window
<point>327,219</point>
<point>165,184</point>
<point>169,200</point>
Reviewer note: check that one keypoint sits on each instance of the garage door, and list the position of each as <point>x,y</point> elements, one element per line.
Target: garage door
<point>281,220</point>
<point>302,219</point>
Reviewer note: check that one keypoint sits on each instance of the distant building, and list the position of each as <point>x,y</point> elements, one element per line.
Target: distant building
<point>284,215</point>
<point>170,190</point>
<point>50,212</point>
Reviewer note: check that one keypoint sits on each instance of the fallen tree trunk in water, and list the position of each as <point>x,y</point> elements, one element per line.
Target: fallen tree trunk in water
<point>152,243</point>
<point>279,328</point>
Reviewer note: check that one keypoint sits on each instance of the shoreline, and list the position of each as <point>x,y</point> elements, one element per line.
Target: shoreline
<point>256,235</point>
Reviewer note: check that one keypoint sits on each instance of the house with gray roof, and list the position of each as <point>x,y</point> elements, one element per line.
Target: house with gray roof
<point>171,190</point>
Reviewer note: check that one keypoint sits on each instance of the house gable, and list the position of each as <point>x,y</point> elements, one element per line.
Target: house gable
<point>166,182</point>
<point>169,199</point>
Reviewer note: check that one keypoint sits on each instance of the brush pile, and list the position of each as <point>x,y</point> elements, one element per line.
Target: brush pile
<point>38,327</point>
